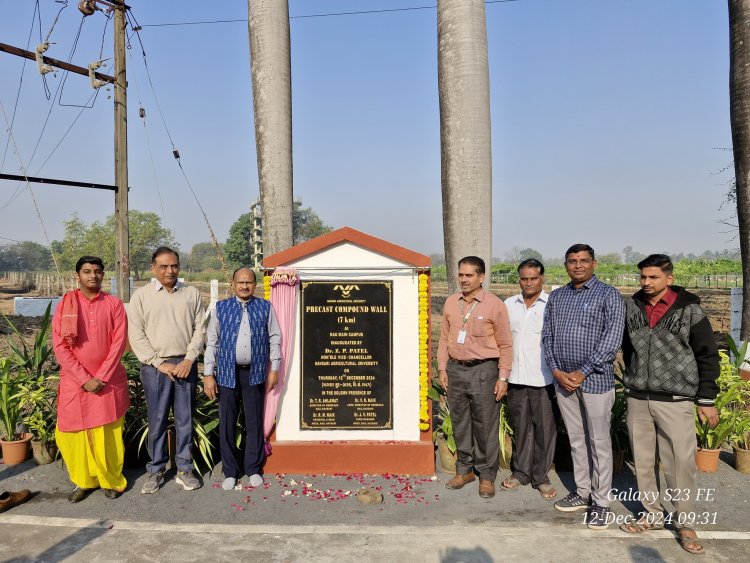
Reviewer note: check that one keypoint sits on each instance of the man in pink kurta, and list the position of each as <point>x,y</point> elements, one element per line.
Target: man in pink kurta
<point>89,332</point>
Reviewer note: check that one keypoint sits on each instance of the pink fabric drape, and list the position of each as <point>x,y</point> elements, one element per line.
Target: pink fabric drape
<point>284,284</point>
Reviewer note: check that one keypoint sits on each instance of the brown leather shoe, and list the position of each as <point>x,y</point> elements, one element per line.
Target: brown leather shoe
<point>8,500</point>
<point>486,488</point>
<point>459,481</point>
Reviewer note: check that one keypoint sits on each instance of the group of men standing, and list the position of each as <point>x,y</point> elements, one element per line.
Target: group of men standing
<point>546,352</point>
<point>165,327</point>
<point>556,351</point>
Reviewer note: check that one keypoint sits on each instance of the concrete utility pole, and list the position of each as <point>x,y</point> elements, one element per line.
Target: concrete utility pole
<point>122,232</point>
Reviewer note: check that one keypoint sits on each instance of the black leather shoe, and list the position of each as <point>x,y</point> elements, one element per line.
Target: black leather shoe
<point>111,493</point>
<point>79,494</point>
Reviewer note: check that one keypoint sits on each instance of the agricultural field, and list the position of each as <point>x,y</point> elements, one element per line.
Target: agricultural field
<point>715,302</point>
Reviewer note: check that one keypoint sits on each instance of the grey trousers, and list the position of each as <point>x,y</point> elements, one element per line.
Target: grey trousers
<point>665,432</point>
<point>476,418</point>
<point>587,419</point>
<point>535,432</point>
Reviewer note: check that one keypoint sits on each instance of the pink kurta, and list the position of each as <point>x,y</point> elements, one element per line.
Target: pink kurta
<point>102,334</point>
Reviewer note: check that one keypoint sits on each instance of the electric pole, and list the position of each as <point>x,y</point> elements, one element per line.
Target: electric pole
<point>122,233</point>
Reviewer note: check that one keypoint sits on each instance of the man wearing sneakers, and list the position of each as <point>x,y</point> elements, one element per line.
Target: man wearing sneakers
<point>672,363</point>
<point>582,333</point>
<point>166,332</point>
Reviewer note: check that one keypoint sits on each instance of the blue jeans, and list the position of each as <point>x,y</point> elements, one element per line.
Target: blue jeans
<point>161,395</point>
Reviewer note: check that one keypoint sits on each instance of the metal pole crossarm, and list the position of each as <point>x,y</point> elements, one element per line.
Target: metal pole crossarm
<point>58,182</point>
<point>54,62</point>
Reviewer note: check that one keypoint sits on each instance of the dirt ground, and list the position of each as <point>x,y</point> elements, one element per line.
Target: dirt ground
<point>715,302</point>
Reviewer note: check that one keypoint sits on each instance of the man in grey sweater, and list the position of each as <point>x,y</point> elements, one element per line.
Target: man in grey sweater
<point>166,331</point>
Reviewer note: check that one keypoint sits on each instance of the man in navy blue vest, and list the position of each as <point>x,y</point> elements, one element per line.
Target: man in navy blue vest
<point>243,337</point>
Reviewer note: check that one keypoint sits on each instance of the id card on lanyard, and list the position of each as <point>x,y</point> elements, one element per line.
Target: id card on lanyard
<point>464,317</point>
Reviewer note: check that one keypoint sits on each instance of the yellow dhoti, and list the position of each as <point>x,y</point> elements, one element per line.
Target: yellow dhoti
<point>94,456</point>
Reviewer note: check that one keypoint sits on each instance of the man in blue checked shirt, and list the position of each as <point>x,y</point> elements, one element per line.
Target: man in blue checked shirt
<point>582,332</point>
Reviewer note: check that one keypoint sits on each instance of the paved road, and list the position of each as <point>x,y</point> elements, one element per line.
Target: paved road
<point>317,518</point>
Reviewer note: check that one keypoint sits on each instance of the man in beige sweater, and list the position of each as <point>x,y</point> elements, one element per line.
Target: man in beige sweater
<point>166,331</point>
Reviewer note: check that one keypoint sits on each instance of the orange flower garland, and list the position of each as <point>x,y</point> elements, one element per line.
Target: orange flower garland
<point>424,361</point>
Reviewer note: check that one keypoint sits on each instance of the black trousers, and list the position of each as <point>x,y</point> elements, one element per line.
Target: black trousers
<point>253,398</point>
<point>535,432</point>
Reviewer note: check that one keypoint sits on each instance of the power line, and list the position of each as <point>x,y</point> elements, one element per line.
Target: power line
<point>20,83</point>
<point>321,15</point>
<point>175,152</point>
<point>28,185</point>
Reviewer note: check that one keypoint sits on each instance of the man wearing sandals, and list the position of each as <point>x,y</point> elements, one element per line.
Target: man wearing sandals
<point>583,325</point>
<point>672,363</point>
<point>530,389</point>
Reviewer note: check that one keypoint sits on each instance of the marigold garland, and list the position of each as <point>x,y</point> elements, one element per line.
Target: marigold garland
<point>424,367</point>
<point>266,287</point>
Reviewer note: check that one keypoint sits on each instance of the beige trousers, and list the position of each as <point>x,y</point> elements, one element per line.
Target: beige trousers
<point>664,431</point>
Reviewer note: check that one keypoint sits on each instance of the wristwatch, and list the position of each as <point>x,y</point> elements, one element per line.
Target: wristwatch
<point>504,379</point>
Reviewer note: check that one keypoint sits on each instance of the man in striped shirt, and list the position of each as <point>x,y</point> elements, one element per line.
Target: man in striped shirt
<point>583,328</point>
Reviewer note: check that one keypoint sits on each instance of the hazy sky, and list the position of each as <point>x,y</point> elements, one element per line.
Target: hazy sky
<point>610,121</point>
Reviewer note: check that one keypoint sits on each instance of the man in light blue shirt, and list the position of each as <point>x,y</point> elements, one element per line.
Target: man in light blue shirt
<point>244,340</point>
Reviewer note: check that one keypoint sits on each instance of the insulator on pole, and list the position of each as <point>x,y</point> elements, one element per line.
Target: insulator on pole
<point>95,82</point>
<point>40,64</point>
<point>87,7</point>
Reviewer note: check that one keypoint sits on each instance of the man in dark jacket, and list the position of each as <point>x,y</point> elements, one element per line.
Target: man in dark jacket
<point>671,364</point>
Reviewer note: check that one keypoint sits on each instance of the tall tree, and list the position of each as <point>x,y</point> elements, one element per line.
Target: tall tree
<point>271,69</point>
<point>237,247</point>
<point>25,255</point>
<point>739,115</point>
<point>203,257</point>
<point>306,225</point>
<point>98,239</point>
<point>465,149</point>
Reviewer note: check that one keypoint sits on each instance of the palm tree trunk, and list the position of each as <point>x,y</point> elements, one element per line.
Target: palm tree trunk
<point>465,144</point>
<point>270,63</point>
<point>739,101</point>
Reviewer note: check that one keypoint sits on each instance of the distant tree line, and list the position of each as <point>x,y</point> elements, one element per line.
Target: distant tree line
<point>146,234</point>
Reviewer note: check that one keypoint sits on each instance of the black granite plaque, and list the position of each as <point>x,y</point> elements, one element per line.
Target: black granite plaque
<point>346,355</point>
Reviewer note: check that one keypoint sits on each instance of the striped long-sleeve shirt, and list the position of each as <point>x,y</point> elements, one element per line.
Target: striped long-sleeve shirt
<point>583,330</point>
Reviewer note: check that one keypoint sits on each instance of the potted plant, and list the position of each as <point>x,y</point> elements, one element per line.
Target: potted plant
<point>740,438</point>
<point>505,435</point>
<point>15,445</point>
<point>710,439</point>
<point>443,433</point>
<point>135,427</point>
<point>38,387</point>
<point>741,444</point>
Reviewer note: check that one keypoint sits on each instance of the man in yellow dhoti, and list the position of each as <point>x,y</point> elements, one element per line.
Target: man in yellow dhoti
<point>89,331</point>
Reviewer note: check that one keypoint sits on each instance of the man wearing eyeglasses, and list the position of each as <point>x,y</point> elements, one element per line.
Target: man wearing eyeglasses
<point>582,332</point>
<point>244,341</point>
<point>166,331</point>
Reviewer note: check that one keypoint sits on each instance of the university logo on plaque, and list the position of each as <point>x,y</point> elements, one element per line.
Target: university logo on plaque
<point>347,355</point>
